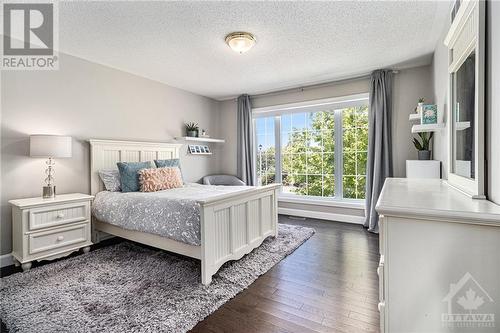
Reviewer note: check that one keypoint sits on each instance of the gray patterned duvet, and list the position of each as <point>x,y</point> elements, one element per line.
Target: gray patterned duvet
<point>174,214</point>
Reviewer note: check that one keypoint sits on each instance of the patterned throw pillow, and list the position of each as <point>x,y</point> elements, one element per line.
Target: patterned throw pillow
<point>159,179</point>
<point>111,179</point>
<point>170,163</point>
<point>129,176</point>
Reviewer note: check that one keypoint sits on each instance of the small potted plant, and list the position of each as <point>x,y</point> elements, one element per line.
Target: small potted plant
<point>192,129</point>
<point>424,152</point>
<point>420,105</point>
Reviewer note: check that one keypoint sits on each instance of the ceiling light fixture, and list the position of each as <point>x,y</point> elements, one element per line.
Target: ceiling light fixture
<point>240,41</point>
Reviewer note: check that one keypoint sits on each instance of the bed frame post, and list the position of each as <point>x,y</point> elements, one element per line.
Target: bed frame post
<point>275,211</point>
<point>206,256</point>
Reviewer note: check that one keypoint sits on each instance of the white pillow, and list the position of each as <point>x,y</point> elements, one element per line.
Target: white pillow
<point>111,179</point>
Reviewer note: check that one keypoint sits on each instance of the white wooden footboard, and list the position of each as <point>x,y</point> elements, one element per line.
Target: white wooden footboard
<point>234,225</point>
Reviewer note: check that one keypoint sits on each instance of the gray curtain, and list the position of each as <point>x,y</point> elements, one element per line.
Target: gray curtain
<point>379,165</point>
<point>246,163</point>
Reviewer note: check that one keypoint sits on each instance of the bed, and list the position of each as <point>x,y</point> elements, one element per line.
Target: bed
<point>231,221</point>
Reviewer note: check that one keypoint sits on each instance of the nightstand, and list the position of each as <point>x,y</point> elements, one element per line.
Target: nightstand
<point>46,229</point>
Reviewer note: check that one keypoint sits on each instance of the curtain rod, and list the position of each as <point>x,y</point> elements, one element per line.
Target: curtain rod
<point>313,86</point>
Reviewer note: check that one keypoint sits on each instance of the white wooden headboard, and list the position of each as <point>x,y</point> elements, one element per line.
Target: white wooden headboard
<point>105,153</point>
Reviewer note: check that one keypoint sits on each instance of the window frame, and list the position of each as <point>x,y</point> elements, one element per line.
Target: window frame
<point>338,104</point>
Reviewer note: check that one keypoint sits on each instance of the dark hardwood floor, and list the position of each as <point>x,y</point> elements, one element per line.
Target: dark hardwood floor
<point>329,284</point>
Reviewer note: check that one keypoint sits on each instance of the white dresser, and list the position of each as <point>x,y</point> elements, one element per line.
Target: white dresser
<point>440,259</point>
<point>50,228</point>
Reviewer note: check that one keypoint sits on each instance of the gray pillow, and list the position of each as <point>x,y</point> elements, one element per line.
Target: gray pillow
<point>170,163</point>
<point>111,179</point>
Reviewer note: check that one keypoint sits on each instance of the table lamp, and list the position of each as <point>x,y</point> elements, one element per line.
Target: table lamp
<point>50,146</point>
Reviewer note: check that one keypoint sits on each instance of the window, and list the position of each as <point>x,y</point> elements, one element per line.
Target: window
<point>307,153</point>
<point>266,157</point>
<point>355,151</point>
<point>317,151</point>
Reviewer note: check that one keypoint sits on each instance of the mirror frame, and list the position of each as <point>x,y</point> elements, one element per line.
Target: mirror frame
<point>467,35</point>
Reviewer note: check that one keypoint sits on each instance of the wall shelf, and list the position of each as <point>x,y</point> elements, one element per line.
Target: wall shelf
<point>414,116</point>
<point>461,125</point>
<point>427,128</point>
<point>196,154</point>
<point>199,139</point>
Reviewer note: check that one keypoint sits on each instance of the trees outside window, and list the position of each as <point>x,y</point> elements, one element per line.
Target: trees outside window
<point>323,153</point>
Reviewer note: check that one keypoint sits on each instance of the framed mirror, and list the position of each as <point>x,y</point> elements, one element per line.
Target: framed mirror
<point>465,41</point>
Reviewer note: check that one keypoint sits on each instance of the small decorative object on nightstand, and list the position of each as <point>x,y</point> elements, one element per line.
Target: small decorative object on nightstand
<point>46,229</point>
<point>50,146</point>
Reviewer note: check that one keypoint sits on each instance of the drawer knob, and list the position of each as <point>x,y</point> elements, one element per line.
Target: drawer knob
<point>381,306</point>
<point>60,215</point>
<point>60,238</point>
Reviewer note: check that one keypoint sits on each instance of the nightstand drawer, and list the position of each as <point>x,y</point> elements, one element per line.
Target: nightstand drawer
<point>56,238</point>
<point>50,216</point>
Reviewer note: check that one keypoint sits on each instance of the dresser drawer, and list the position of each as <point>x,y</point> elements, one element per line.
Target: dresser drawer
<point>58,238</point>
<point>50,216</point>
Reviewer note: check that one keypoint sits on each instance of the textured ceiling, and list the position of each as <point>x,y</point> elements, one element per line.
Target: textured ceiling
<point>298,43</point>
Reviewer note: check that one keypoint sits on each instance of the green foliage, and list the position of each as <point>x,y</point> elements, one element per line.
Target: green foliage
<point>191,126</point>
<point>424,144</point>
<point>308,161</point>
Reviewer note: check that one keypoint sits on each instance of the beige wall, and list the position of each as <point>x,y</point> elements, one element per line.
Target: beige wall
<point>86,100</point>
<point>409,85</point>
<point>440,80</point>
<point>341,88</point>
<point>227,155</point>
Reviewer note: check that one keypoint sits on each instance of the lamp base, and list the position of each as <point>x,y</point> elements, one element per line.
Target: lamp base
<point>49,192</point>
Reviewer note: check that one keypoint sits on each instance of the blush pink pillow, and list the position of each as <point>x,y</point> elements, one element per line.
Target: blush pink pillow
<point>157,179</point>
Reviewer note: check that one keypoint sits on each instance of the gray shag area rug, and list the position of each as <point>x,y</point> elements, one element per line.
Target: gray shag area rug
<point>128,288</point>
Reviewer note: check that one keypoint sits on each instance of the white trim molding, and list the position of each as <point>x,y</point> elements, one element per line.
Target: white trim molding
<point>6,260</point>
<point>319,201</point>
<point>322,215</point>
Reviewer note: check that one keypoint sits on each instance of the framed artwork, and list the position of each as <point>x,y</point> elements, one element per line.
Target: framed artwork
<point>199,150</point>
<point>429,114</point>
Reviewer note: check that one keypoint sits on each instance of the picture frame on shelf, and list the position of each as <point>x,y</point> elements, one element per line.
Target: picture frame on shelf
<point>429,114</point>
<point>199,150</point>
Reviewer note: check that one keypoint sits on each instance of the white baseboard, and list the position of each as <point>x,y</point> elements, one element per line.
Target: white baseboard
<point>322,215</point>
<point>6,260</point>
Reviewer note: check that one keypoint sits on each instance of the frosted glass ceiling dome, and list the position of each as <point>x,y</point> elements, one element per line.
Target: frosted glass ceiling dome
<point>240,42</point>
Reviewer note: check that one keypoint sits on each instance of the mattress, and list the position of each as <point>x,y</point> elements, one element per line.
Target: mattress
<point>174,213</point>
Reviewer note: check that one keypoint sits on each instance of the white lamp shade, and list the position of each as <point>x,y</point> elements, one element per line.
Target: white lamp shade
<point>50,146</point>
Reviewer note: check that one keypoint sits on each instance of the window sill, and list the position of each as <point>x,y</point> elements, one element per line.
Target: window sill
<point>352,204</point>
